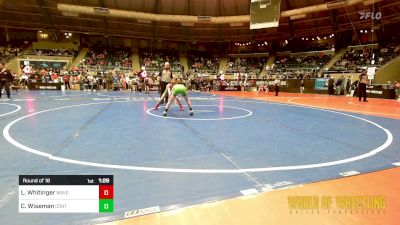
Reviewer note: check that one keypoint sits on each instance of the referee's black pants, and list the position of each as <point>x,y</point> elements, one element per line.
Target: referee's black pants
<point>6,86</point>
<point>362,92</point>
<point>276,90</point>
<point>163,86</point>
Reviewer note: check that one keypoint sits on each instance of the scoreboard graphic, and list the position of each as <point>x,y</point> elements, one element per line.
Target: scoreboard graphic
<point>66,194</point>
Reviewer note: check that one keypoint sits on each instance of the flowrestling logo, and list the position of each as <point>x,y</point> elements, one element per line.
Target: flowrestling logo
<point>370,15</point>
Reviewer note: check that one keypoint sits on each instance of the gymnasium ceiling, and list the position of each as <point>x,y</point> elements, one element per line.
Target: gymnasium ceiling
<point>44,15</point>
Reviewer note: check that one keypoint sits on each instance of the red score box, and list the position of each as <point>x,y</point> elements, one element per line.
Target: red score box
<point>106,192</point>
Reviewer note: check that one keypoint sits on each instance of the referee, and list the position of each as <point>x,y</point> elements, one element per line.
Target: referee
<point>166,76</point>
<point>5,79</point>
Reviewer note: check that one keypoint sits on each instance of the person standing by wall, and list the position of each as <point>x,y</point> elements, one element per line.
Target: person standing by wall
<point>397,87</point>
<point>301,85</point>
<point>348,85</point>
<point>277,83</point>
<point>145,80</point>
<point>339,85</point>
<point>80,80</point>
<point>331,83</point>
<point>6,79</point>
<point>128,83</point>
<point>122,81</point>
<point>116,81</point>
<point>362,87</point>
<point>245,83</point>
<point>109,80</point>
<point>66,81</point>
<point>134,83</point>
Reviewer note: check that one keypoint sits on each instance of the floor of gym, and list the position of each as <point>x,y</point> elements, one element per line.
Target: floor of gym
<point>236,142</point>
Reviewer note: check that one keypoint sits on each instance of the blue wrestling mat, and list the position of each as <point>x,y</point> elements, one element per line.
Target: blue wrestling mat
<point>228,146</point>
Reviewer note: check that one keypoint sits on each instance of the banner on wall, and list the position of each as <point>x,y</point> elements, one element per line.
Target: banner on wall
<point>38,64</point>
<point>320,84</point>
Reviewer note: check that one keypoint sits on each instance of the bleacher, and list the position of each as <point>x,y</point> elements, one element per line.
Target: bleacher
<point>102,58</point>
<point>358,58</point>
<point>250,65</point>
<point>8,52</point>
<point>54,52</point>
<point>301,62</point>
<point>201,62</point>
<point>154,60</point>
